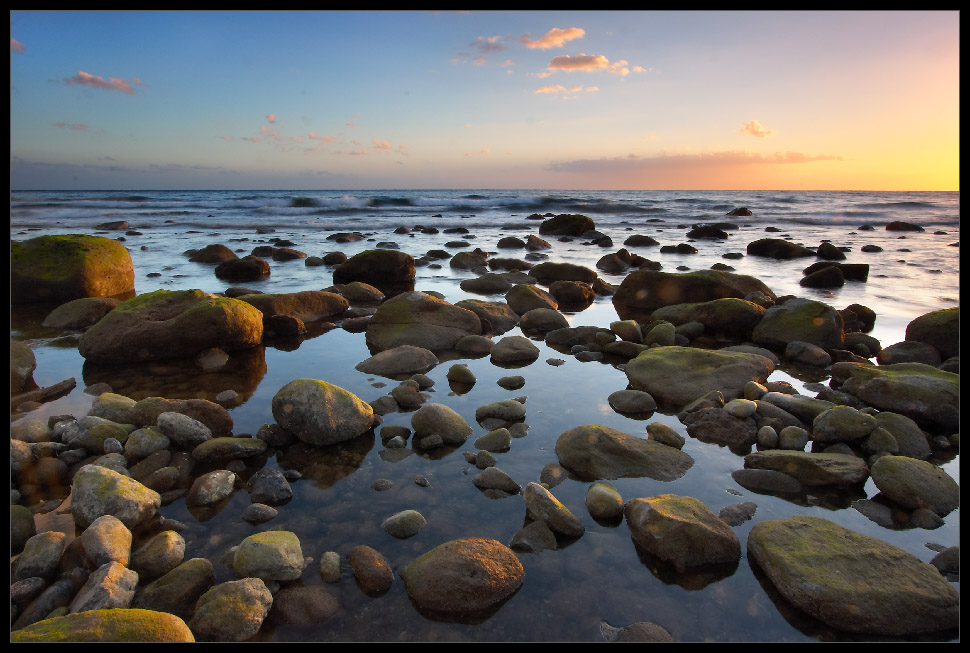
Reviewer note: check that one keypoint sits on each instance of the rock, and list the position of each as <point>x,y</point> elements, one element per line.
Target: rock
<point>258,513</point>
<point>566,224</point>
<point>40,556</point>
<point>738,513</point>
<point>909,438</point>
<point>496,317</point>
<point>171,324</point>
<point>106,540</point>
<point>899,225</point>
<point>303,605</point>
<point>100,491</point>
<point>111,585</point>
<point>182,430</point>
<point>22,527</point>
<point>497,440</point>
<point>665,434</point>
<point>678,375</point>
<point>232,611</point>
<point>373,574</point>
<point>851,581</point>
<point>828,276</point>
<point>421,320</point>
<point>767,480</point>
<point>158,555</point>
<point>404,524</point>
<point>720,427</point>
<point>811,469</point>
<point>524,297</point>
<point>506,410</point>
<point>925,394</point>
<point>22,366</point>
<point>642,631</point>
<point>107,625</point>
<point>464,576</point>
<point>800,319</point>
<point>842,424</point>
<point>777,248</point>
<point>269,486</point>
<point>599,452</point>
<point>730,318</point>
<point>306,305</point>
<point>60,268</point>
<point>405,359</point>
<point>661,334</point>
<point>221,449</point>
<point>389,270</point>
<point>644,291</point>
<point>493,478</point>
<point>269,555</point>
<point>80,313</point>
<point>320,413</point>
<point>681,531</point>
<point>548,272</point>
<point>247,268</point>
<point>603,501</point>
<point>533,538</point>
<point>909,351</point>
<point>488,283</point>
<point>941,329</point>
<point>916,484</point>
<point>211,488</point>
<point>632,401</point>
<point>441,420</point>
<point>178,590</point>
<point>514,350</point>
<point>542,506</point>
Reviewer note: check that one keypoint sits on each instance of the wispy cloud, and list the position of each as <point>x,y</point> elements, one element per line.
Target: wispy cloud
<point>634,163</point>
<point>754,128</point>
<point>487,45</point>
<point>16,46</point>
<point>77,126</point>
<point>482,152</point>
<point>557,88</point>
<point>554,38</point>
<point>96,81</point>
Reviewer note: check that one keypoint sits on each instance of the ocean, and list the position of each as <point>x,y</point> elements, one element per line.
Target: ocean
<point>567,593</point>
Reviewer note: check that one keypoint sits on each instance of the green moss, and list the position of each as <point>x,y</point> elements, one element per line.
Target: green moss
<point>107,625</point>
<point>55,257</point>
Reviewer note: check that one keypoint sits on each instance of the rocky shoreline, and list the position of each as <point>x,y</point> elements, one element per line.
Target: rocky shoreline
<point>104,563</point>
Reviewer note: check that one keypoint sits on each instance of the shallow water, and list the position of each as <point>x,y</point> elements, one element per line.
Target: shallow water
<point>568,592</point>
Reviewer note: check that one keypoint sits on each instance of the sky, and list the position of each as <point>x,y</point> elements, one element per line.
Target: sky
<point>672,100</point>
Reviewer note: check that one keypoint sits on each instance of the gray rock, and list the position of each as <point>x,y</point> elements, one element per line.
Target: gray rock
<point>158,555</point>
<point>269,555</point>
<point>100,491</point>
<point>493,478</point>
<point>270,487</point>
<point>404,524</point>
<point>404,359</point>
<point>603,501</point>
<point>106,540</point>
<point>632,401</point>
<point>321,413</point>
<point>811,468</point>
<point>599,452</point>
<point>112,585</point>
<point>916,484</point>
<point>183,430</point>
<point>541,505</point>
<point>40,556</point>
<point>232,611</point>
<point>438,419</point>
<point>211,488</point>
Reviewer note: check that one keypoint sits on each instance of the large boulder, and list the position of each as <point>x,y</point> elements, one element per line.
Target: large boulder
<point>524,297</point>
<point>813,469</point>
<point>171,324</point>
<point>107,625</point>
<point>805,320</point>
<point>925,394</point>
<point>389,270</point>
<point>938,328</point>
<point>57,269</point>
<point>682,531</point>
<point>421,320</point>
<point>729,319</point>
<point>566,224</point>
<point>677,376</point>
<point>916,484</point>
<point>778,248</point>
<point>644,291</point>
<point>595,452</point>
<point>851,581</point>
<point>548,272</point>
<point>320,413</point>
<point>307,305</point>
<point>464,576</point>
<point>101,491</point>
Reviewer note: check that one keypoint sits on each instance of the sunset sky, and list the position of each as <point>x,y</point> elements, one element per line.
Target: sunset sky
<point>700,100</point>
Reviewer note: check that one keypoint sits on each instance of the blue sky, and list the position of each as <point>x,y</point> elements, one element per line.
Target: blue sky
<point>422,99</point>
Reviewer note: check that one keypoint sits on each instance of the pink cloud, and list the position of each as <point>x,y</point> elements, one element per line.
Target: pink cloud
<point>754,128</point>
<point>324,140</point>
<point>586,62</point>
<point>486,45</point>
<point>554,38</point>
<point>271,118</point>
<point>16,45</point>
<point>381,145</point>
<point>113,83</point>
<point>556,88</point>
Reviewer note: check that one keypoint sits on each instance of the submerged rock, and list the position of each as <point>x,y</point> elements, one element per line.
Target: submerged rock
<point>851,581</point>
<point>600,452</point>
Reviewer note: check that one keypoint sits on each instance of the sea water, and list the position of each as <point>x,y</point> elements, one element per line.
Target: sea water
<point>567,593</point>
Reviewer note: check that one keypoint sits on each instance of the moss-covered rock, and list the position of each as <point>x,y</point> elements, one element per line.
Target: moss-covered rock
<point>676,376</point>
<point>916,484</point>
<point>421,320</point>
<point>644,291</point>
<point>171,324</point>
<point>800,319</point>
<point>107,625</point>
<point>57,269</point>
<point>730,318</point>
<point>307,305</point>
<point>320,413</point>
<point>925,394</point>
<point>389,270</point>
<point>938,328</point>
<point>595,452</point>
<point>566,224</point>
<point>851,581</point>
<point>270,555</point>
<point>812,469</point>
